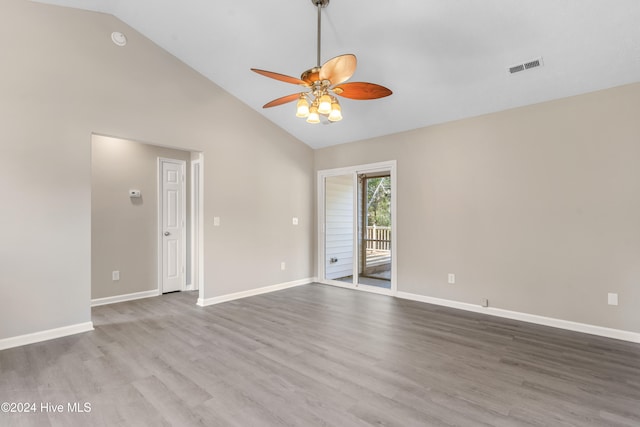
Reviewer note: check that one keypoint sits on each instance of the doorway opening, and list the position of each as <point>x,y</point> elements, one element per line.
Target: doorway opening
<point>125,219</point>
<point>357,228</point>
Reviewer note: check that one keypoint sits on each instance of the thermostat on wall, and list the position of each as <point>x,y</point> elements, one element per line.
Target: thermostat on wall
<point>134,194</point>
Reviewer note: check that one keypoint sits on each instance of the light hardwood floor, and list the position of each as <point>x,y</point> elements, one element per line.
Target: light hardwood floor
<point>317,355</point>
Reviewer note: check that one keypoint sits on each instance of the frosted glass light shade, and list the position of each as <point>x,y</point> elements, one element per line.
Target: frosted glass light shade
<point>325,104</point>
<point>336,113</point>
<point>313,117</point>
<point>302,108</point>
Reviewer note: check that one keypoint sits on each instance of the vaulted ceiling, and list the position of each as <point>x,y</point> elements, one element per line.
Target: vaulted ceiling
<point>444,60</point>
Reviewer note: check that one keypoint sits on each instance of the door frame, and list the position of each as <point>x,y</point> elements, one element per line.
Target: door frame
<point>183,229</point>
<point>363,214</point>
<point>388,166</point>
<point>197,215</point>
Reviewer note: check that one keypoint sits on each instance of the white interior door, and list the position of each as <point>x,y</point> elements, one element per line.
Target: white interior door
<point>172,212</point>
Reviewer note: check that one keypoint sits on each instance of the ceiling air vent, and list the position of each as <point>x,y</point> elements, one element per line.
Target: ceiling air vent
<point>525,66</point>
<point>516,68</point>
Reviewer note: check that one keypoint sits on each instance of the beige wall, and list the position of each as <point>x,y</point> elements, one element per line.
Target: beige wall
<point>62,80</point>
<point>536,208</point>
<point>124,231</point>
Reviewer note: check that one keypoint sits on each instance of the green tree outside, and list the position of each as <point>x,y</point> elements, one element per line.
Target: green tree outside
<point>379,201</point>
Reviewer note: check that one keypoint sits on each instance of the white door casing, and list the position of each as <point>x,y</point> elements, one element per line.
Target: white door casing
<point>172,211</point>
<point>196,223</point>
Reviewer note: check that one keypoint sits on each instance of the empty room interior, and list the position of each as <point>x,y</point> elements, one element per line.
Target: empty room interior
<point>320,213</point>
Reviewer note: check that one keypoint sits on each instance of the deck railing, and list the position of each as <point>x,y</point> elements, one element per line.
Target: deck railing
<point>378,238</point>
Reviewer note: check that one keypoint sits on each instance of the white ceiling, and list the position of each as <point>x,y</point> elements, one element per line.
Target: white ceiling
<point>444,60</point>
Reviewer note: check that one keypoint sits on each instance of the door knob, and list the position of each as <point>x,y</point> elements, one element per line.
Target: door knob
<point>166,233</point>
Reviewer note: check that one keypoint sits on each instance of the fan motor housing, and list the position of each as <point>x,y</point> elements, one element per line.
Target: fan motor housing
<point>321,3</point>
<point>311,75</point>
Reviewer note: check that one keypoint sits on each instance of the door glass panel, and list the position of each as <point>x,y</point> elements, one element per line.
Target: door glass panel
<point>374,230</point>
<point>339,228</point>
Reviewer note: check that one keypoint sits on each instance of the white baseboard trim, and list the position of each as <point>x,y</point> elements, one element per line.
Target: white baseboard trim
<point>363,288</point>
<point>45,335</point>
<point>525,317</point>
<point>252,292</point>
<point>126,297</point>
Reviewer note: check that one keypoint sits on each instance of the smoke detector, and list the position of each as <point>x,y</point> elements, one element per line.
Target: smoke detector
<point>118,38</point>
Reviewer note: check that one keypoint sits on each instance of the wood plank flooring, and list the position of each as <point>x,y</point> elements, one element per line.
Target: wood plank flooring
<point>317,355</point>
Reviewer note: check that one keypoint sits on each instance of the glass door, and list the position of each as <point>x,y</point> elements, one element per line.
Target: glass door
<point>356,233</point>
<point>339,228</point>
<point>374,229</point>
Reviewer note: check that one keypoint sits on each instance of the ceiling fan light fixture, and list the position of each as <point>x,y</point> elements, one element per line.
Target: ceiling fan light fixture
<point>324,81</point>
<point>302,109</point>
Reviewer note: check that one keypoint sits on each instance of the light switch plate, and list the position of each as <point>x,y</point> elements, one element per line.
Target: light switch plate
<point>216,221</point>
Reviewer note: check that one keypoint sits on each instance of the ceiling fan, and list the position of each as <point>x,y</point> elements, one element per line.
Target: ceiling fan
<point>321,83</point>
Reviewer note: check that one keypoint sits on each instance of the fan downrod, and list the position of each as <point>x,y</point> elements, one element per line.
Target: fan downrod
<point>321,3</point>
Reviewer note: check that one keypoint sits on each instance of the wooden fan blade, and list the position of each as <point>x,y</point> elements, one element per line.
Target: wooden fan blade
<point>281,77</point>
<point>282,100</point>
<point>361,90</point>
<point>339,69</point>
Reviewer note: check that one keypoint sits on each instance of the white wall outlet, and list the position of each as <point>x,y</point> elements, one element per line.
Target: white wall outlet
<point>115,275</point>
<point>294,221</point>
<point>451,278</point>
<point>485,302</point>
<point>283,266</point>
<point>216,221</point>
<point>612,299</point>
<point>135,194</point>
